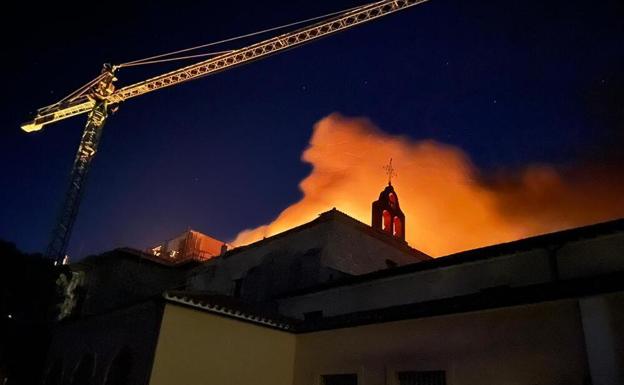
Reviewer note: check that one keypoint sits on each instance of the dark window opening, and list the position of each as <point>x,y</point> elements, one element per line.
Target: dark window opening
<point>340,379</point>
<point>397,227</point>
<point>387,221</point>
<point>392,200</point>
<point>432,377</point>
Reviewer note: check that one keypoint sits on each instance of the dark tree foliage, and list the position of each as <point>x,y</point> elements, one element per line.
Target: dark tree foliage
<point>28,299</point>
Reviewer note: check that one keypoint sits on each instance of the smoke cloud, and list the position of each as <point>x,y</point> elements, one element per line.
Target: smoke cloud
<point>448,203</point>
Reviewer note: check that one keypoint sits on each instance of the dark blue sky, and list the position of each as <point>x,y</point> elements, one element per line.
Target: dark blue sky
<point>510,82</point>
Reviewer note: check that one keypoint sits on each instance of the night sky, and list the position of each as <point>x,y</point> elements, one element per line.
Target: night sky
<point>509,82</point>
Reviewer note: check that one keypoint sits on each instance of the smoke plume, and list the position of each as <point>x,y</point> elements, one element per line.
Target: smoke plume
<point>448,203</point>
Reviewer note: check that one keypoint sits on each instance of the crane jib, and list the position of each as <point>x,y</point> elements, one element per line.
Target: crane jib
<point>231,59</point>
<point>97,96</point>
<point>264,48</point>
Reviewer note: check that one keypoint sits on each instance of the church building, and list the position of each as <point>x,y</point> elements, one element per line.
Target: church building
<point>339,302</point>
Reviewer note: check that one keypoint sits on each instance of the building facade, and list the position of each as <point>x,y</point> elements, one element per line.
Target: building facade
<point>339,302</point>
<point>544,310</point>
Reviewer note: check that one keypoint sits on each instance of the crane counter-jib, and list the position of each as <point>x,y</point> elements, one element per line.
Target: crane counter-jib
<point>78,107</point>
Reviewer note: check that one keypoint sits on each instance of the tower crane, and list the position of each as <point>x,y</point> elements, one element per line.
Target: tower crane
<point>100,97</point>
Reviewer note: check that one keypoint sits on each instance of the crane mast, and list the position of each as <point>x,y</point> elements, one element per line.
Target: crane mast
<point>82,163</point>
<point>98,97</point>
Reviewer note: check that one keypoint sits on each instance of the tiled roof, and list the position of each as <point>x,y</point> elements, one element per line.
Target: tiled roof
<point>231,307</point>
<point>486,299</point>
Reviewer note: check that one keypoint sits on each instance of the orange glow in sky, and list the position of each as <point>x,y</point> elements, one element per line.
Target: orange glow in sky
<point>448,205</point>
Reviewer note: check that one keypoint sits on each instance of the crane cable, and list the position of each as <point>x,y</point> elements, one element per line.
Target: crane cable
<point>162,58</point>
<point>77,93</point>
<point>132,64</point>
<point>154,59</point>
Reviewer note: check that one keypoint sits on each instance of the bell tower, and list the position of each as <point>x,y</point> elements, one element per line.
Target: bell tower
<point>386,212</point>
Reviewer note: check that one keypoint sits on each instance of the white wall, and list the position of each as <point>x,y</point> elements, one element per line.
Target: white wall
<point>575,259</point>
<point>524,345</point>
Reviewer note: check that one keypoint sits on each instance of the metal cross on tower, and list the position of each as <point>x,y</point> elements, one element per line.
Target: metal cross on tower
<point>390,171</point>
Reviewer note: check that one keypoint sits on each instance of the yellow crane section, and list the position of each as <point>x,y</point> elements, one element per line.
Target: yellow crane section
<point>98,97</point>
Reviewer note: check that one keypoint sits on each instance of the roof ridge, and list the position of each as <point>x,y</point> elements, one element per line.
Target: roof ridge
<point>323,217</point>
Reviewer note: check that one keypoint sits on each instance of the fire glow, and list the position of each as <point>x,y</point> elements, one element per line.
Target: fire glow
<point>448,205</point>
